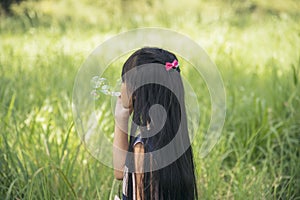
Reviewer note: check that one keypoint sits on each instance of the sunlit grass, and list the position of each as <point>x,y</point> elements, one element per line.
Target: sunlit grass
<point>255,45</point>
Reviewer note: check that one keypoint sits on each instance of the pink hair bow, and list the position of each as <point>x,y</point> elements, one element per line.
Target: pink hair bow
<point>172,65</point>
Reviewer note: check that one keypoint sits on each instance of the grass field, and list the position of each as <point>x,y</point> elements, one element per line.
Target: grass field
<point>254,43</point>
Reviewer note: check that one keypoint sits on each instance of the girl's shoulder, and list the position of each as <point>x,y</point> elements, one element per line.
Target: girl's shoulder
<point>138,139</point>
<point>146,142</point>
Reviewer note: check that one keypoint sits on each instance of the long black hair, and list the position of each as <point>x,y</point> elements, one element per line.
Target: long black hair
<point>176,180</point>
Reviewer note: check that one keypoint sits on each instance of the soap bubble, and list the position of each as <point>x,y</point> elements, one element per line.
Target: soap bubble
<point>101,85</point>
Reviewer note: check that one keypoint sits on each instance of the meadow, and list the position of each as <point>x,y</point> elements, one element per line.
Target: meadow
<point>254,43</point>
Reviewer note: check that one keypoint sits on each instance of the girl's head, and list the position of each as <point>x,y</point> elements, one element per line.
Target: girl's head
<point>141,57</point>
<point>145,84</point>
<point>147,55</point>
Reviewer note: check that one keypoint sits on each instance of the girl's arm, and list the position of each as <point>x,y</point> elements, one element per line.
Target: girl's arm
<point>120,143</point>
<point>139,172</point>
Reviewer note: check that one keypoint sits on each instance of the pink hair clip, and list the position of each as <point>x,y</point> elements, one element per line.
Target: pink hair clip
<point>173,65</point>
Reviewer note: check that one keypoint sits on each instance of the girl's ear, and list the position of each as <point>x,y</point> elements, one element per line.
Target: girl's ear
<point>132,100</point>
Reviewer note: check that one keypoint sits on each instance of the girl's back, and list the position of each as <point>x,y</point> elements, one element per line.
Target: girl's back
<point>159,162</point>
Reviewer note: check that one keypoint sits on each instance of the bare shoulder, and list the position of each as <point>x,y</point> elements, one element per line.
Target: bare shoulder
<point>138,148</point>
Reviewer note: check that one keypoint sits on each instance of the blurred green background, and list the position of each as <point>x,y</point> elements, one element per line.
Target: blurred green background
<point>254,43</point>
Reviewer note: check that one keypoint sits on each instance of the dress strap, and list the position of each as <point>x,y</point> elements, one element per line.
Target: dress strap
<point>138,139</point>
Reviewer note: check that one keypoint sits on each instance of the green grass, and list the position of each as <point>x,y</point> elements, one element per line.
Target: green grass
<point>255,44</point>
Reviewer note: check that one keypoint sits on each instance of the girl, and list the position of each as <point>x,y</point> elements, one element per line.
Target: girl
<point>152,177</point>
